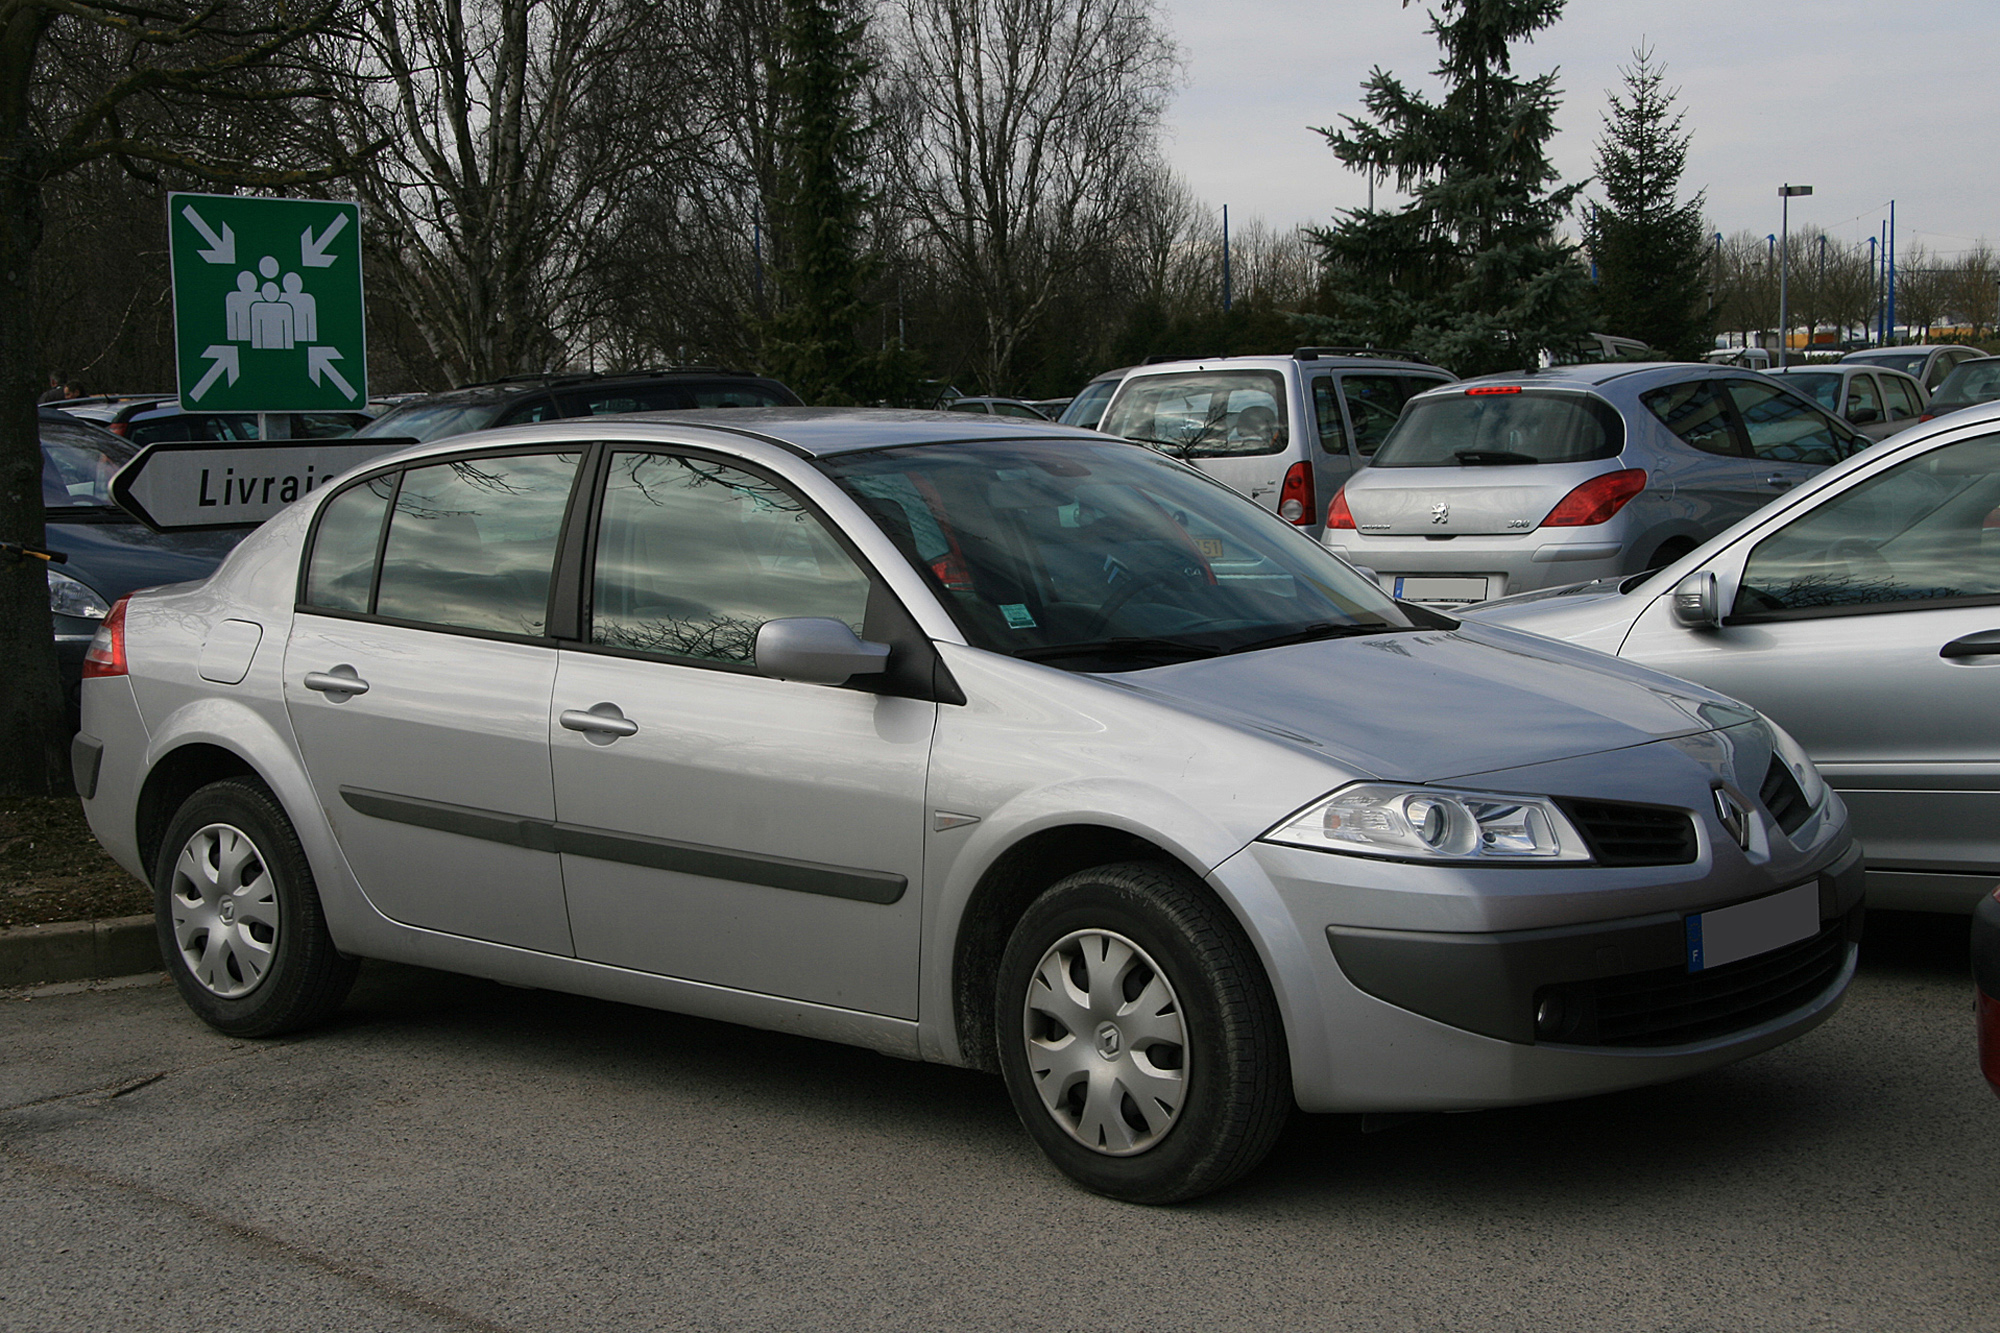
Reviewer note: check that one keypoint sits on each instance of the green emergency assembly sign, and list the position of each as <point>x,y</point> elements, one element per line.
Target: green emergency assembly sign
<point>267,303</point>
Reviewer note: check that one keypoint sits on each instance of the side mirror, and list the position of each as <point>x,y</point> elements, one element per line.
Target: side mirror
<point>1865,416</point>
<point>1698,601</point>
<point>816,650</point>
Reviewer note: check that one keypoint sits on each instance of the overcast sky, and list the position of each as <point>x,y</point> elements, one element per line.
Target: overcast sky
<point>1864,100</point>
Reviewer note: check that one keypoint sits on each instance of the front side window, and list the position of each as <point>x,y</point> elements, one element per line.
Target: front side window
<point>472,543</point>
<point>1203,413</point>
<point>1489,425</point>
<point>1862,399</point>
<point>1102,557</point>
<point>693,556</point>
<point>1917,533</point>
<point>1784,429</point>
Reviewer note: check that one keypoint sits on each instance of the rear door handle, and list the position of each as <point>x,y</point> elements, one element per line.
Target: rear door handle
<point>598,720</point>
<point>1983,644</point>
<point>342,680</point>
<point>1778,481</point>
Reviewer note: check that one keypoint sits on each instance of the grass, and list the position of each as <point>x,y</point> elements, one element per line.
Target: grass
<point>51,868</point>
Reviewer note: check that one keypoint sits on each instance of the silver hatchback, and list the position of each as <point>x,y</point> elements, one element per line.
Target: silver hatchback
<point>985,742</point>
<point>1510,483</point>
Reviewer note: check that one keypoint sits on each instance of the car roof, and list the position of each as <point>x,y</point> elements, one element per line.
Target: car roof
<point>516,385</point>
<point>809,432</point>
<point>1908,349</point>
<point>1328,360</point>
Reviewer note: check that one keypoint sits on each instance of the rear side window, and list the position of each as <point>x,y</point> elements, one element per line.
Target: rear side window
<point>340,576</point>
<point>1698,413</point>
<point>1203,413</point>
<point>1457,429</point>
<point>1784,429</point>
<point>1901,396</point>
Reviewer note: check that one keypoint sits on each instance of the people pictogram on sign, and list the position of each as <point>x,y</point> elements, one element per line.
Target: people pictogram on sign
<point>269,316</point>
<point>305,310</point>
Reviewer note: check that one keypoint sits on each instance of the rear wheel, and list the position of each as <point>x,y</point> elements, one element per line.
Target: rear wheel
<point>1669,552</point>
<point>1138,1035</point>
<point>239,918</point>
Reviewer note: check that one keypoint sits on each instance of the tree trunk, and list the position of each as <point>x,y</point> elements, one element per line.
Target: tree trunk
<point>34,757</point>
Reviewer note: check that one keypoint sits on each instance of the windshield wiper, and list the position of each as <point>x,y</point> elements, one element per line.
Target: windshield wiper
<point>1498,457</point>
<point>1316,632</point>
<point>1176,649</point>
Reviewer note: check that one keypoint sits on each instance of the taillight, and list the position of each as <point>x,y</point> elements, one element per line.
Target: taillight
<point>1597,500</point>
<point>106,654</point>
<point>1295,498</point>
<point>119,427</point>
<point>1927,416</point>
<point>1338,515</point>
<point>951,572</point>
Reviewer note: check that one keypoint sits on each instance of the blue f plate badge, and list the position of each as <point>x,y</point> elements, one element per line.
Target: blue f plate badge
<point>1730,934</point>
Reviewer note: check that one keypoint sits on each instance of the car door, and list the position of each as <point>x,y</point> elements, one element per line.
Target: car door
<point>717,825</point>
<point>417,682</point>
<point>1902,401</point>
<point>1869,627</point>
<point>1792,438</point>
<point>1714,480</point>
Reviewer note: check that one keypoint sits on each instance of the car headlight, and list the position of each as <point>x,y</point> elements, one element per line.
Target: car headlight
<point>72,597</point>
<point>1811,785</point>
<point>1434,824</point>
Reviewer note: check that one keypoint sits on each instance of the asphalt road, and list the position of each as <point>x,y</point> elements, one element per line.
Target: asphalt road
<point>454,1154</point>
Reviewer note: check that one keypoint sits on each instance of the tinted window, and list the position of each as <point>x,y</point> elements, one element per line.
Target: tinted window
<point>1203,413</point>
<point>1822,386</point>
<point>341,571</point>
<point>1697,412</point>
<point>693,557</point>
<point>1455,429</point>
<point>78,462</point>
<point>220,427</point>
<point>433,421</point>
<point>1375,404</point>
<point>326,425</point>
<point>1915,533</point>
<point>472,542</point>
<point>1326,412</point>
<point>1784,429</point>
<point>1901,396</point>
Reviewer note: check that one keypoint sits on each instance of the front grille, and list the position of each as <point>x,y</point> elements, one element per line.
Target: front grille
<point>1670,1006</point>
<point>1633,835</point>
<point>1782,797</point>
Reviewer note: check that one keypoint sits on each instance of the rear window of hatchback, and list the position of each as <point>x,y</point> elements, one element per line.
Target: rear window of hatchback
<point>1489,424</point>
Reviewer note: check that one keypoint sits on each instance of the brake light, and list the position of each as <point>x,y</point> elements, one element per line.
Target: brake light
<point>1597,500</point>
<point>106,654</point>
<point>119,427</point>
<point>1927,416</point>
<point>951,572</point>
<point>1338,515</point>
<point>1478,390</point>
<point>1295,498</point>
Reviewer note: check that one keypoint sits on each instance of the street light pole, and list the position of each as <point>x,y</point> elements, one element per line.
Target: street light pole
<point>1785,193</point>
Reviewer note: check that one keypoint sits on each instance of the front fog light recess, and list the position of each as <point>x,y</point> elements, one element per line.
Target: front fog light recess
<point>1431,823</point>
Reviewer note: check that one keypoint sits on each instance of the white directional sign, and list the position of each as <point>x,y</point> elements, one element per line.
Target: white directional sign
<point>188,484</point>
<point>268,311</point>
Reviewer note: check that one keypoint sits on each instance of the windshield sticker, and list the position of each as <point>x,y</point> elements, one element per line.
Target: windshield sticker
<point>1018,616</point>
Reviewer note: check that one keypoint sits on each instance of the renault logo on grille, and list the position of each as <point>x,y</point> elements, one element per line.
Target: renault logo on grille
<point>1440,512</point>
<point>1734,816</point>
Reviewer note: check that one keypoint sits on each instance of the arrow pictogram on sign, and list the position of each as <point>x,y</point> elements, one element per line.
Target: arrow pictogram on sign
<point>319,361</point>
<point>224,360</point>
<point>312,250</point>
<point>221,249</point>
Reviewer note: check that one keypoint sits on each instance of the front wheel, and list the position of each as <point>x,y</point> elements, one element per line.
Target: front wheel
<point>1138,1035</point>
<point>238,916</point>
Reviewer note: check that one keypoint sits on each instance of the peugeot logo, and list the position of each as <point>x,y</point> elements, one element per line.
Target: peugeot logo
<point>1440,512</point>
<point>1734,816</point>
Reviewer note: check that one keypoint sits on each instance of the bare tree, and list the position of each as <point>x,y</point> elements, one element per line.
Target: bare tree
<point>1024,128</point>
<point>203,90</point>
<point>1920,289</point>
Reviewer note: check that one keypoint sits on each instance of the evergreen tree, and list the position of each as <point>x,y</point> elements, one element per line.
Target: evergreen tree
<point>1651,247</point>
<point>1470,272</point>
<point>814,342</point>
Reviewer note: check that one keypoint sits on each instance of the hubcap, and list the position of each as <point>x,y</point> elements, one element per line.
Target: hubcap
<point>225,910</point>
<point>1106,1042</point>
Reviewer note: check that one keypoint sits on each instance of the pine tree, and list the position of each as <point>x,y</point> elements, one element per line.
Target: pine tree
<point>824,134</point>
<point>1470,272</point>
<point>1651,247</point>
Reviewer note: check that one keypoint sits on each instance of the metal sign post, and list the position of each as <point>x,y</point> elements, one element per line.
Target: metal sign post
<point>268,312</point>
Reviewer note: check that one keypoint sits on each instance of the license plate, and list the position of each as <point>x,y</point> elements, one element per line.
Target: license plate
<point>1748,929</point>
<point>1440,591</point>
<point>1209,547</point>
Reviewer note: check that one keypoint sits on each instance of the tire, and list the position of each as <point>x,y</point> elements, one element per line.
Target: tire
<point>239,919</point>
<point>1181,1083</point>
<point>1669,552</point>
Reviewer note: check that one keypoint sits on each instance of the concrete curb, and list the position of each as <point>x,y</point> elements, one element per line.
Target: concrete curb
<point>78,951</point>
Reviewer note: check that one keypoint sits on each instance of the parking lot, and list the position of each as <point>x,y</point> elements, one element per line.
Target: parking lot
<point>455,1154</point>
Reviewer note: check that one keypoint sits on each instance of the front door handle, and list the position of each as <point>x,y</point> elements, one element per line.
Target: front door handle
<point>1777,481</point>
<point>341,681</point>
<point>1983,644</point>
<point>598,720</point>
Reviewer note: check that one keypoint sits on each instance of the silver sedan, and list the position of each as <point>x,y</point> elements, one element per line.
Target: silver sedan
<point>1863,613</point>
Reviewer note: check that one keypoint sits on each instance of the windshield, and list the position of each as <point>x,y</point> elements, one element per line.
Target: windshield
<point>1822,386</point>
<point>1202,413</point>
<point>78,462</point>
<point>1104,557</point>
<point>1975,381</point>
<point>1501,424</point>
<point>1910,363</point>
<point>432,421</point>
